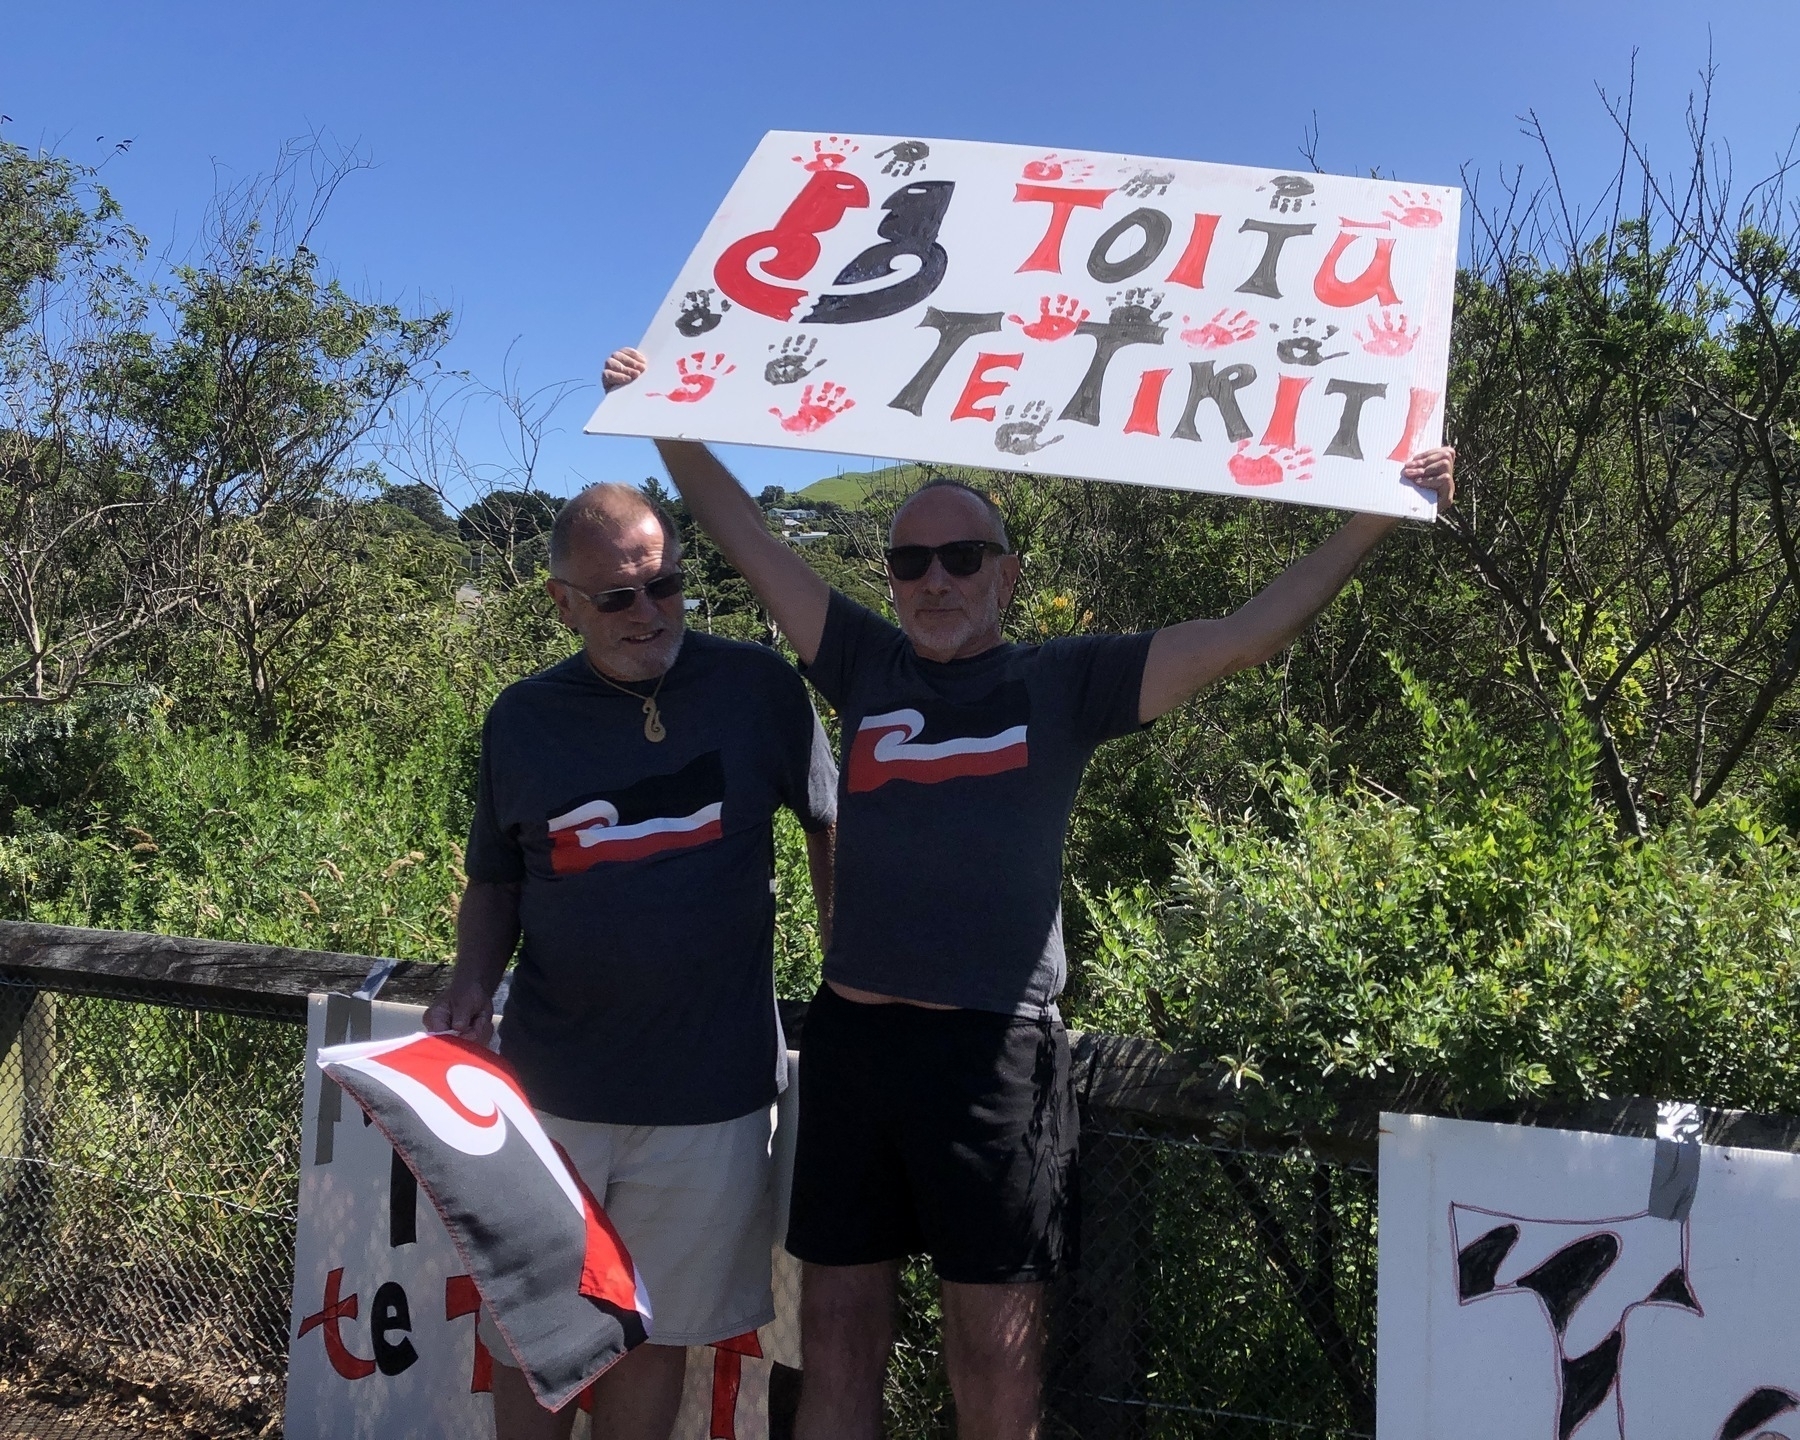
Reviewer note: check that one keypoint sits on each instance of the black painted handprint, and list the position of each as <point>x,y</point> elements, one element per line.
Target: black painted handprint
<point>1020,437</point>
<point>1290,190</point>
<point>1134,307</point>
<point>790,365</point>
<point>1146,183</point>
<point>697,316</point>
<point>904,158</point>
<point>1303,347</point>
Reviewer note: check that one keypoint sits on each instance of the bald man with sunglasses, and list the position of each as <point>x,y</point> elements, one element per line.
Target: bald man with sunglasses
<point>622,843</point>
<point>935,1109</point>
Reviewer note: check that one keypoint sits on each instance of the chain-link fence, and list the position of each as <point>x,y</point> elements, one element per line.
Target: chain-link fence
<point>148,1176</point>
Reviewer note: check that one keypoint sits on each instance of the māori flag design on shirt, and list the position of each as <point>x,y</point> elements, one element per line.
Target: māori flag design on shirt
<point>548,1264</point>
<point>656,814</point>
<point>933,740</point>
<point>1587,1277</point>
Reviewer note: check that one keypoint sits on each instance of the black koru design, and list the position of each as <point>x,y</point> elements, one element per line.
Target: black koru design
<point>790,365</point>
<point>697,316</point>
<point>1290,190</point>
<point>904,158</point>
<point>1020,437</point>
<point>1147,183</point>
<point>1134,307</point>
<point>1304,348</point>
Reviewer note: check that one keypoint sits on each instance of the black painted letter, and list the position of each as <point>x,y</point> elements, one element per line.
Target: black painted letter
<point>1155,226</point>
<point>1221,389</point>
<point>1131,323</point>
<point>955,329</point>
<point>1356,393</point>
<point>389,1312</point>
<point>1262,279</point>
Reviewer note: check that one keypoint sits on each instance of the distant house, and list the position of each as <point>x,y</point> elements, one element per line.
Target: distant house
<point>794,516</point>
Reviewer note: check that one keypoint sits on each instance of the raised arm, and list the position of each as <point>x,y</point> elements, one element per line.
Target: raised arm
<point>794,593</point>
<point>792,590</point>
<point>1186,658</point>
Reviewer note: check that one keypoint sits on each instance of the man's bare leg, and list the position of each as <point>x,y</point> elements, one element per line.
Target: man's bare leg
<point>638,1398</point>
<point>994,1350</point>
<point>518,1416</point>
<point>846,1332</point>
<point>635,1400</point>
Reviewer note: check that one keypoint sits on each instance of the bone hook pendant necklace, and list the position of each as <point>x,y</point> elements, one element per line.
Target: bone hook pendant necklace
<point>653,725</point>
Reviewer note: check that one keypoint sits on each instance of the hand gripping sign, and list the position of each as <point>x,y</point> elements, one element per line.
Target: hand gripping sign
<point>541,1252</point>
<point>1108,317</point>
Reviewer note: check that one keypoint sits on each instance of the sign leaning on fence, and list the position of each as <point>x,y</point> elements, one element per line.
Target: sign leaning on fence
<point>1107,317</point>
<point>1543,1284</point>
<point>382,1336</point>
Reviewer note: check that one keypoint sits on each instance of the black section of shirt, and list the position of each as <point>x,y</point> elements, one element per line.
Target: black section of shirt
<point>958,780</point>
<point>644,993</point>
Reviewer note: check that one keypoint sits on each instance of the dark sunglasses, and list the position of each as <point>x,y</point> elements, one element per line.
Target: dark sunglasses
<point>611,602</point>
<point>960,558</point>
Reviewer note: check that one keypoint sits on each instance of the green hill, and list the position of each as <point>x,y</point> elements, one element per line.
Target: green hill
<point>853,486</point>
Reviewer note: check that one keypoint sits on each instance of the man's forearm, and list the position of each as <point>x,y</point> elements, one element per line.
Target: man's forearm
<point>821,865</point>
<point>487,933</point>
<point>1185,658</point>
<point>794,594</point>
<point>1271,619</point>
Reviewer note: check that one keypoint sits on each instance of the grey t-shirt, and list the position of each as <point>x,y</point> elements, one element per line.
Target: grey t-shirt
<point>957,783</point>
<point>644,993</point>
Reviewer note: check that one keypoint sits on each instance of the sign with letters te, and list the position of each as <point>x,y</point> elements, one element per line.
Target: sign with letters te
<point>1107,317</point>
<point>382,1334</point>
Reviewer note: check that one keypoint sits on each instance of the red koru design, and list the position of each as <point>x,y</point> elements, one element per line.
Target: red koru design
<point>1269,465</point>
<point>1057,167</point>
<point>1056,318</point>
<point>828,154</point>
<point>815,411</point>
<point>1220,331</point>
<point>1389,334</point>
<point>695,377</point>
<point>1418,212</point>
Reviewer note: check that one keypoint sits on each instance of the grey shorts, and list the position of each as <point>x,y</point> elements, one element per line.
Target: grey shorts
<point>695,1206</point>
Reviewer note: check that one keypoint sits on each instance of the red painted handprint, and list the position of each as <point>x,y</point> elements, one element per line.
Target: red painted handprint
<point>828,154</point>
<point>1056,318</point>
<point>1269,465</point>
<point>1389,334</point>
<point>695,377</point>
<point>1416,212</point>
<point>815,410</point>
<point>1057,167</point>
<point>1220,331</point>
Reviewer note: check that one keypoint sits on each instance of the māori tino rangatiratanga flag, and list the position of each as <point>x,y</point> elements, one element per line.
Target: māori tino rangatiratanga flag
<point>550,1268</point>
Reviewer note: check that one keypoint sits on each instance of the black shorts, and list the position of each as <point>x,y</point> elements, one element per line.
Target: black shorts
<point>945,1132</point>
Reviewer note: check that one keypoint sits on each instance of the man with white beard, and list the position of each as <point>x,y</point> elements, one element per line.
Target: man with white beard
<point>622,833</point>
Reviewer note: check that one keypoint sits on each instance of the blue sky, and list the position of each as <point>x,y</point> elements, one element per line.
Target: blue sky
<point>544,168</point>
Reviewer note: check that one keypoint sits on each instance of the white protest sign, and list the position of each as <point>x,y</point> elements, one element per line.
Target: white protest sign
<point>1540,1284</point>
<point>382,1342</point>
<point>1108,317</point>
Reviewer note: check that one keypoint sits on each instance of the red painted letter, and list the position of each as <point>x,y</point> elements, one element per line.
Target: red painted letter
<point>1063,199</point>
<point>462,1298</point>
<point>1190,269</point>
<point>982,388</point>
<point>1288,390</point>
<point>351,1367</point>
<point>1148,402</point>
<point>1373,284</point>
<point>1420,406</point>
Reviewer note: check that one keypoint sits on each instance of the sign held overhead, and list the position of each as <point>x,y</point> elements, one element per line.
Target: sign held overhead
<point>1108,317</point>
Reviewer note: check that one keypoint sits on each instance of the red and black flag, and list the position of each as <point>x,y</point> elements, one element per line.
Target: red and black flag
<point>656,814</point>
<point>933,740</point>
<point>548,1264</point>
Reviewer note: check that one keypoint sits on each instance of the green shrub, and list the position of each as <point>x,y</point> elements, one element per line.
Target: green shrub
<point>1488,930</point>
